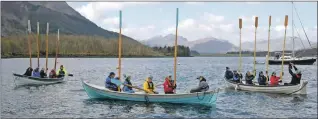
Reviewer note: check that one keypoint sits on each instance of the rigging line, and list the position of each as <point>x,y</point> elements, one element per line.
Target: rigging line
<point>300,41</point>
<point>302,26</point>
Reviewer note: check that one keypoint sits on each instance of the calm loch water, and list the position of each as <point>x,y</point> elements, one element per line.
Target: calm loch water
<point>70,100</point>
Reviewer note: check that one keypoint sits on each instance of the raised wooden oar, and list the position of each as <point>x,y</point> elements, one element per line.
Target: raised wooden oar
<point>29,42</point>
<point>47,46</point>
<point>119,46</point>
<point>240,63</point>
<point>283,57</point>
<point>37,43</point>
<point>118,83</point>
<point>57,48</point>
<point>176,49</point>
<point>269,30</point>
<point>256,25</point>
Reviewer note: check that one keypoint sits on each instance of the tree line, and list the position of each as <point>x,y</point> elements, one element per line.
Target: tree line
<point>74,45</point>
<point>183,51</point>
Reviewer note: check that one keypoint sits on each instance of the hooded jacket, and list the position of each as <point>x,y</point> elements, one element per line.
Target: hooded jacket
<point>274,80</point>
<point>295,77</point>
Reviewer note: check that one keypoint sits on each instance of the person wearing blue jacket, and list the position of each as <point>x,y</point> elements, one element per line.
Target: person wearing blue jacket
<point>128,89</point>
<point>109,84</point>
<point>36,72</point>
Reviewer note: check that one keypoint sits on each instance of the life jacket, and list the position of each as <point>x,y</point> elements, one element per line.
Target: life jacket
<point>150,85</point>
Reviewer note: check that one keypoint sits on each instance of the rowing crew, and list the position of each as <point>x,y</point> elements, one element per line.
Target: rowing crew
<point>149,86</point>
<point>61,72</point>
<point>264,79</point>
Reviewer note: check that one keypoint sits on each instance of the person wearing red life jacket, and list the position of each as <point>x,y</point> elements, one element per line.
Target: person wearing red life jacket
<point>168,85</point>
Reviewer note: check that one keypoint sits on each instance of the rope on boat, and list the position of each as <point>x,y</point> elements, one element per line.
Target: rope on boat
<point>199,96</point>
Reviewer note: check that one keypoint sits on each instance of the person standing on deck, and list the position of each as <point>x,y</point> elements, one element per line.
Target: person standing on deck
<point>28,72</point>
<point>61,72</point>
<point>203,85</point>
<point>168,86</point>
<point>149,86</point>
<point>108,84</point>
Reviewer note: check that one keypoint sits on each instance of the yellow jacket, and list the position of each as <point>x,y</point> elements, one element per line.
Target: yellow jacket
<point>58,71</point>
<point>147,86</point>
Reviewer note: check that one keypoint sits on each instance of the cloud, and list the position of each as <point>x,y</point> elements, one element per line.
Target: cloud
<point>253,3</point>
<point>111,21</point>
<point>139,33</point>
<point>194,3</point>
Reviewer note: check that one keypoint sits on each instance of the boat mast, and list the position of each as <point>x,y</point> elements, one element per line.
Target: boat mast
<point>175,49</point>
<point>256,25</point>
<point>240,27</point>
<point>269,31</point>
<point>293,53</point>
<point>47,45</point>
<point>29,42</point>
<point>119,46</point>
<point>282,67</point>
<point>57,47</point>
<point>37,42</point>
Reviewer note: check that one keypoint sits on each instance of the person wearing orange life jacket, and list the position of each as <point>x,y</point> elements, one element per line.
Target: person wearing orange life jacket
<point>149,85</point>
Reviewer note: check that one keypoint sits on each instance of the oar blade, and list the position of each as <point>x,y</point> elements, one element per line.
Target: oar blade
<point>115,81</point>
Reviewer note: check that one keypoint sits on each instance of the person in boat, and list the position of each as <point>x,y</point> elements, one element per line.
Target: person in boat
<point>274,80</point>
<point>203,85</point>
<point>43,74</point>
<point>277,56</point>
<point>237,77</point>
<point>128,89</point>
<point>168,86</point>
<point>61,72</point>
<point>52,74</point>
<point>28,71</point>
<point>296,77</point>
<point>261,78</point>
<point>149,85</point>
<point>108,84</point>
<point>249,77</point>
<point>228,73</point>
<point>36,72</point>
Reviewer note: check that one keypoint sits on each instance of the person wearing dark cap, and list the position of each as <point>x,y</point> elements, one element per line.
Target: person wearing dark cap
<point>228,73</point>
<point>109,84</point>
<point>296,77</point>
<point>203,85</point>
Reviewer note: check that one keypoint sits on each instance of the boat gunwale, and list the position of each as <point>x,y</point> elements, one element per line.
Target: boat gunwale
<point>270,86</point>
<point>159,95</point>
<point>39,79</point>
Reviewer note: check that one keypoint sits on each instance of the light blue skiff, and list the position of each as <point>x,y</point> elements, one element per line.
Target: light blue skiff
<point>202,98</point>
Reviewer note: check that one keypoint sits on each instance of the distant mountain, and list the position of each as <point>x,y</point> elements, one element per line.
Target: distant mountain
<point>206,45</point>
<point>167,40</point>
<point>212,45</point>
<point>277,44</point>
<point>15,16</point>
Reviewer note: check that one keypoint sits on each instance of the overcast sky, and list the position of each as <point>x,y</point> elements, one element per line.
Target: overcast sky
<point>143,20</point>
